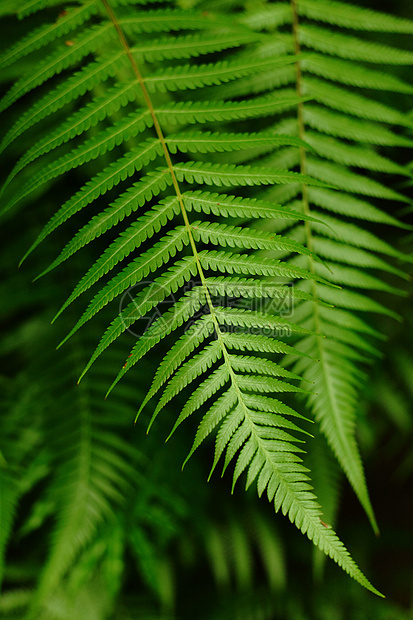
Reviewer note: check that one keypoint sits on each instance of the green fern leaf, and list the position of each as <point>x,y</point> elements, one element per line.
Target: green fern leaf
<point>342,126</point>
<point>268,17</point>
<point>91,479</point>
<point>183,310</point>
<point>352,103</point>
<point>230,175</point>
<point>170,282</point>
<point>206,390</point>
<point>81,121</point>
<point>235,236</point>
<point>183,347</point>
<point>187,373</point>
<point>127,242</point>
<point>72,88</point>
<point>351,182</point>
<point>227,262</point>
<point>353,207</point>
<point>258,343</point>
<point>357,156</point>
<point>350,73</point>
<point>341,253</point>
<point>189,46</point>
<point>210,142</point>
<point>184,112</point>
<point>354,17</point>
<point>58,62</point>
<point>141,192</point>
<point>354,235</point>
<point>344,46</point>
<point>192,77</point>
<point>45,34</point>
<point>234,206</point>
<point>140,2</point>
<point>32,6</point>
<point>93,148</point>
<point>165,20</point>
<point>134,273</point>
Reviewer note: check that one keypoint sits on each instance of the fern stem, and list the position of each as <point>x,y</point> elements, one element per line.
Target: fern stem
<point>303,169</point>
<point>301,134</point>
<point>177,188</point>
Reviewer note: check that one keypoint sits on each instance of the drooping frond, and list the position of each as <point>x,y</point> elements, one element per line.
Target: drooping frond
<point>342,155</point>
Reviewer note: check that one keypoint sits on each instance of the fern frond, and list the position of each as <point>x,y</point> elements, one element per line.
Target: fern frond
<point>355,75</point>
<point>57,62</point>
<point>337,377</point>
<point>268,17</point>
<point>228,262</point>
<point>355,301</point>
<point>44,35</point>
<point>69,90</point>
<point>190,46</point>
<point>192,77</point>
<point>235,236</point>
<point>127,242</point>
<point>92,475</point>
<point>290,492</point>
<point>185,308</point>
<point>184,112</point>
<point>360,157</point>
<point>188,373</point>
<point>256,83</point>
<point>248,363</point>
<point>166,20</point>
<point>352,16</point>
<point>352,103</point>
<point>327,248</point>
<point>211,142</point>
<point>235,206</point>
<point>352,234</point>
<point>350,181</point>
<point>134,273</point>
<point>225,360</point>
<point>32,6</point>
<point>230,175</point>
<point>81,121</point>
<point>258,343</point>
<point>135,197</point>
<point>354,207</point>
<point>139,2</point>
<point>183,348</point>
<point>206,390</point>
<point>348,275</point>
<point>93,148</point>
<point>326,479</point>
<point>342,126</point>
<point>336,44</point>
<point>170,282</point>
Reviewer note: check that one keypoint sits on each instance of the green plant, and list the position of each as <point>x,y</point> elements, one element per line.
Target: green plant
<point>104,90</point>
